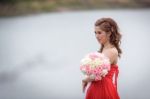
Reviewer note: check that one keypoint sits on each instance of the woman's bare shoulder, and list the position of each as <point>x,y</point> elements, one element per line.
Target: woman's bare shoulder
<point>112,54</point>
<point>114,51</point>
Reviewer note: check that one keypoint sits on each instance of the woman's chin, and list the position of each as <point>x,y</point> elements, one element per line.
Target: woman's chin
<point>100,43</point>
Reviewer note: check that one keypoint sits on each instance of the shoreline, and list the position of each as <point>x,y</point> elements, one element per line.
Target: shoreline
<point>36,7</point>
<point>76,11</point>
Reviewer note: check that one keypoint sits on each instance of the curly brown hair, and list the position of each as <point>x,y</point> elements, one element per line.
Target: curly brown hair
<point>109,25</point>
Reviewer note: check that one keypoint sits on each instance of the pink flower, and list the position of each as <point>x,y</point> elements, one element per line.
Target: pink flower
<point>94,63</point>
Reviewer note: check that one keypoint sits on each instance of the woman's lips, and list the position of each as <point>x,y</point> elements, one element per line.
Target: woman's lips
<point>99,39</point>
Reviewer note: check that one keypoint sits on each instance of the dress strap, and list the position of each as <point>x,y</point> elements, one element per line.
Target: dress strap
<point>116,77</point>
<point>116,71</point>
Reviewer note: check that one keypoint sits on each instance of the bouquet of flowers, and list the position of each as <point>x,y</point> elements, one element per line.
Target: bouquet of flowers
<point>94,65</point>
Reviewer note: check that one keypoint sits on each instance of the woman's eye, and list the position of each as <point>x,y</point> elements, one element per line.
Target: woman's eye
<point>97,32</point>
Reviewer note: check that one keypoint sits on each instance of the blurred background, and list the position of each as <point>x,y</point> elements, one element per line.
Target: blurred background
<point>43,41</point>
<point>15,7</point>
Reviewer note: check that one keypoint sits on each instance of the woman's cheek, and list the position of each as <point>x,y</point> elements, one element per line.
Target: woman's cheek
<point>103,40</point>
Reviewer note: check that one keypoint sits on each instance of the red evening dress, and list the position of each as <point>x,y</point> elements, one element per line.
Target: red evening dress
<point>105,88</point>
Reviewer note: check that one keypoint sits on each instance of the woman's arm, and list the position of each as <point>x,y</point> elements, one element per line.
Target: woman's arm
<point>85,82</point>
<point>88,79</point>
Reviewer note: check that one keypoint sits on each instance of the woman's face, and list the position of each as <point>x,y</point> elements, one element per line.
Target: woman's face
<point>101,36</point>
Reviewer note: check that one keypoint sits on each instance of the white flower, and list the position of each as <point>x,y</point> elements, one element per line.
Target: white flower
<point>85,61</point>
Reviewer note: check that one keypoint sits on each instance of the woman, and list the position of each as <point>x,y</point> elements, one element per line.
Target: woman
<point>106,32</point>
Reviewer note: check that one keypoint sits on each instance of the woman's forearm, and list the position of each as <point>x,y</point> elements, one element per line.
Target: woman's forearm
<point>88,79</point>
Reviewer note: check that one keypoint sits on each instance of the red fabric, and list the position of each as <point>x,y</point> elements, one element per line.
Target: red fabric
<point>105,88</point>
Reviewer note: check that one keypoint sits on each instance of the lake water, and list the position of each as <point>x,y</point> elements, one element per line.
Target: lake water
<point>40,54</point>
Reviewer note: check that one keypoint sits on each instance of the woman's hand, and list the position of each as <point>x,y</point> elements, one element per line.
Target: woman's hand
<point>84,84</point>
<point>104,73</point>
<point>86,80</point>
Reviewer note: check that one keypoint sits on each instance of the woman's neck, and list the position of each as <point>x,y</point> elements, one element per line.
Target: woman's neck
<point>108,45</point>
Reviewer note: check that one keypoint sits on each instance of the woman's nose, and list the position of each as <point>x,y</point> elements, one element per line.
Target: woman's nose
<point>97,35</point>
